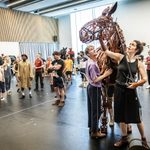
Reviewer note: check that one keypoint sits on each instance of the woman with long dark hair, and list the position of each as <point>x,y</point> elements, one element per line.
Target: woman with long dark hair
<point>126,104</point>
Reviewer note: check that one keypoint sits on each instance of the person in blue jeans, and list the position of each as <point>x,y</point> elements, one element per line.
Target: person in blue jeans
<point>8,74</point>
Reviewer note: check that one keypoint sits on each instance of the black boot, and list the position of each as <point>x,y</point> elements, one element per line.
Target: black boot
<point>18,90</point>
<point>22,97</point>
<point>30,96</point>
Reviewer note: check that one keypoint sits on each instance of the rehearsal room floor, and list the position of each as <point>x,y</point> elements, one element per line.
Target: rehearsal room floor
<point>35,124</point>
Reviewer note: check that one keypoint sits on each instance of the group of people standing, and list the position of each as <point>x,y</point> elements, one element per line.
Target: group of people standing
<point>58,70</point>
<point>126,102</point>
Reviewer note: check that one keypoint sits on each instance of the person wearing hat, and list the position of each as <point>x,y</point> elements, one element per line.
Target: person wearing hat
<point>25,75</point>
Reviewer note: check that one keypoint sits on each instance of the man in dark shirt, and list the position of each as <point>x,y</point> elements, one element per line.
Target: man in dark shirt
<point>58,83</point>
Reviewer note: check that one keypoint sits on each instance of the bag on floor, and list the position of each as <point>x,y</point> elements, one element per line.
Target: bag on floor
<point>138,144</point>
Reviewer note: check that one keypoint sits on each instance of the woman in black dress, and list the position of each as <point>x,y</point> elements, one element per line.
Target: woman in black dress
<point>126,104</point>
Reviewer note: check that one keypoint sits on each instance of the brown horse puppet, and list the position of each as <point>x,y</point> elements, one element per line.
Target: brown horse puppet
<point>107,32</point>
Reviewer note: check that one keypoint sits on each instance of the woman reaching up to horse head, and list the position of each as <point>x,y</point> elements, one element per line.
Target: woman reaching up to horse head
<point>126,104</point>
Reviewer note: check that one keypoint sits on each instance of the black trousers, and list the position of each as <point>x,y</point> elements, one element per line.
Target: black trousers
<point>38,75</point>
<point>94,107</point>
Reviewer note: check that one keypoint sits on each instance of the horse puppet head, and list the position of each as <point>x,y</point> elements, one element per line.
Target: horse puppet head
<point>105,29</point>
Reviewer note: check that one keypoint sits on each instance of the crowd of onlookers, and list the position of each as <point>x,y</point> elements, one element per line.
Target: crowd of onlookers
<point>21,68</point>
<point>59,68</point>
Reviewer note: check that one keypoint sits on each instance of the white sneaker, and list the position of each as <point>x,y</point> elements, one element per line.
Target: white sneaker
<point>2,99</point>
<point>148,87</point>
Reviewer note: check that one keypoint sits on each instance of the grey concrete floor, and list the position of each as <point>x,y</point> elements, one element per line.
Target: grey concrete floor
<point>34,124</point>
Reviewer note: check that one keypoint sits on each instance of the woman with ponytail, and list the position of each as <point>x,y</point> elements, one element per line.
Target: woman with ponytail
<point>126,105</point>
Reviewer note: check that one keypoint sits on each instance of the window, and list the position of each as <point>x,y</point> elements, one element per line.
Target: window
<point>80,18</point>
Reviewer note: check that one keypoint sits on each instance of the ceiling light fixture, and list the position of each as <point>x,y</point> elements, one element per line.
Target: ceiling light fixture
<point>26,4</point>
<point>15,3</point>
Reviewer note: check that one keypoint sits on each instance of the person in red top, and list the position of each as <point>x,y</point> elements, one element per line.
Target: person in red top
<point>38,65</point>
<point>148,68</point>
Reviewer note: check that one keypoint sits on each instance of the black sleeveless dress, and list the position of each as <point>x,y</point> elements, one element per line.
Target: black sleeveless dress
<point>126,104</point>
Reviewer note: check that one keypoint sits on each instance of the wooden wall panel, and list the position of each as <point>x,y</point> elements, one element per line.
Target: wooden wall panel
<point>24,27</point>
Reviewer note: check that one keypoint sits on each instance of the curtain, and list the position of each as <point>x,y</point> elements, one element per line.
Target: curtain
<point>32,49</point>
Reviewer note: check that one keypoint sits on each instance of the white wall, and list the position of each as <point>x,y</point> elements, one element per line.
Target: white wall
<point>134,18</point>
<point>9,48</point>
<point>64,30</point>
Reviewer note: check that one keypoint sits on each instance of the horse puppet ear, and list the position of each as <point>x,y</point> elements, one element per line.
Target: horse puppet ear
<point>112,9</point>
